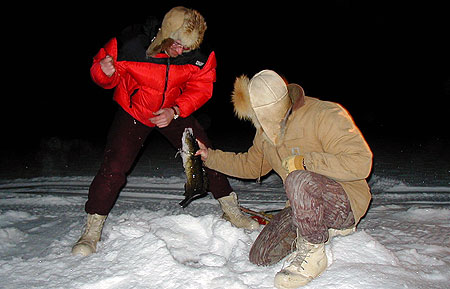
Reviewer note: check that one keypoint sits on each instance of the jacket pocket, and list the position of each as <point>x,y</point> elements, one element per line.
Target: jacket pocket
<point>293,142</point>
<point>294,134</point>
<point>131,96</point>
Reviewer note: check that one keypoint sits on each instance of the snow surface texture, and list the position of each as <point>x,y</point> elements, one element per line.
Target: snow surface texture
<point>150,242</point>
<point>153,243</point>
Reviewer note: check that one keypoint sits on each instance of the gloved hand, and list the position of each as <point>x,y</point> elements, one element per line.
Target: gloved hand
<point>293,163</point>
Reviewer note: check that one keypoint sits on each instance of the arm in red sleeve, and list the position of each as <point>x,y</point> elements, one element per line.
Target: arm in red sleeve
<point>97,74</point>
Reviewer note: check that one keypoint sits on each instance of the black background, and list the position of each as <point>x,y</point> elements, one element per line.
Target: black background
<point>388,64</point>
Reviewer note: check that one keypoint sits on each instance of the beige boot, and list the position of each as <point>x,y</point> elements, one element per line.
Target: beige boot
<point>87,244</point>
<point>307,262</point>
<point>233,213</point>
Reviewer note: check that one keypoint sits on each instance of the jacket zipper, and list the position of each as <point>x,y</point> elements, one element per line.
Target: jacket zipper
<point>165,87</point>
<point>165,84</point>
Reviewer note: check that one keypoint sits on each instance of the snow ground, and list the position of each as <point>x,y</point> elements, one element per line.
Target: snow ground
<point>150,242</point>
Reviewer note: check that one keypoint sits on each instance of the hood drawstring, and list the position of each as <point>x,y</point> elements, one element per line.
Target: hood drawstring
<point>258,180</point>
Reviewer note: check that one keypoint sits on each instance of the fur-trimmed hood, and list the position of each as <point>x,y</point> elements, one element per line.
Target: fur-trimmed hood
<point>185,25</point>
<point>243,107</point>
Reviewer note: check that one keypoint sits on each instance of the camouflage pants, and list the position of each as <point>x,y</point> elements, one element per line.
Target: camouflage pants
<point>318,203</point>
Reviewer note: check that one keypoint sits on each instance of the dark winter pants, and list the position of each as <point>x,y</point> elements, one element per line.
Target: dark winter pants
<point>125,139</point>
<point>318,203</point>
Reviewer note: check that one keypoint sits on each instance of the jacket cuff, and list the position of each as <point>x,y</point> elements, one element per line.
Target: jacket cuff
<point>210,159</point>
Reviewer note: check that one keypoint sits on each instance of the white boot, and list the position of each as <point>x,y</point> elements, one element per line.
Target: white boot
<point>308,262</point>
<point>233,213</point>
<point>87,244</point>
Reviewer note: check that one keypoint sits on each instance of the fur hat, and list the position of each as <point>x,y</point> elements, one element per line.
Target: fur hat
<point>185,25</point>
<point>264,100</point>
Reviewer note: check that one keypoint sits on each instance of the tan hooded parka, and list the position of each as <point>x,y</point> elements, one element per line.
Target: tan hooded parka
<point>322,132</point>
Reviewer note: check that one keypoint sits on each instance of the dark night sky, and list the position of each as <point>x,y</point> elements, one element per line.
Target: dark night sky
<point>387,64</point>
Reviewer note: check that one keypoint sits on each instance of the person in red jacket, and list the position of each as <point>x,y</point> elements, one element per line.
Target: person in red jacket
<point>160,77</point>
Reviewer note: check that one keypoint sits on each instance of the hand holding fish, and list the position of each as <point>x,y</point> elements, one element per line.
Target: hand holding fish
<point>203,151</point>
<point>163,117</point>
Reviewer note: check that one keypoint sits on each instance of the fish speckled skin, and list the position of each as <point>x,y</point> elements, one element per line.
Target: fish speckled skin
<point>196,179</point>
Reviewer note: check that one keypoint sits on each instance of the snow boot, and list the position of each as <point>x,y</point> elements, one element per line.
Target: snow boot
<point>232,213</point>
<point>87,244</point>
<point>307,262</point>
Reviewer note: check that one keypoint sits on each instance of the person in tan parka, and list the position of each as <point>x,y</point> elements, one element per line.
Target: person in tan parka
<point>320,154</point>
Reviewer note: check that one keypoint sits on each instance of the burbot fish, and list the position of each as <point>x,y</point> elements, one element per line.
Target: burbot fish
<point>196,178</point>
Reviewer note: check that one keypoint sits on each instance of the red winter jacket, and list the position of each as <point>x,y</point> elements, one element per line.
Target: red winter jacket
<point>144,85</point>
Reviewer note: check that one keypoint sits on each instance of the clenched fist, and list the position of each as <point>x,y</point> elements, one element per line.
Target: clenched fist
<point>107,66</point>
<point>163,117</point>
